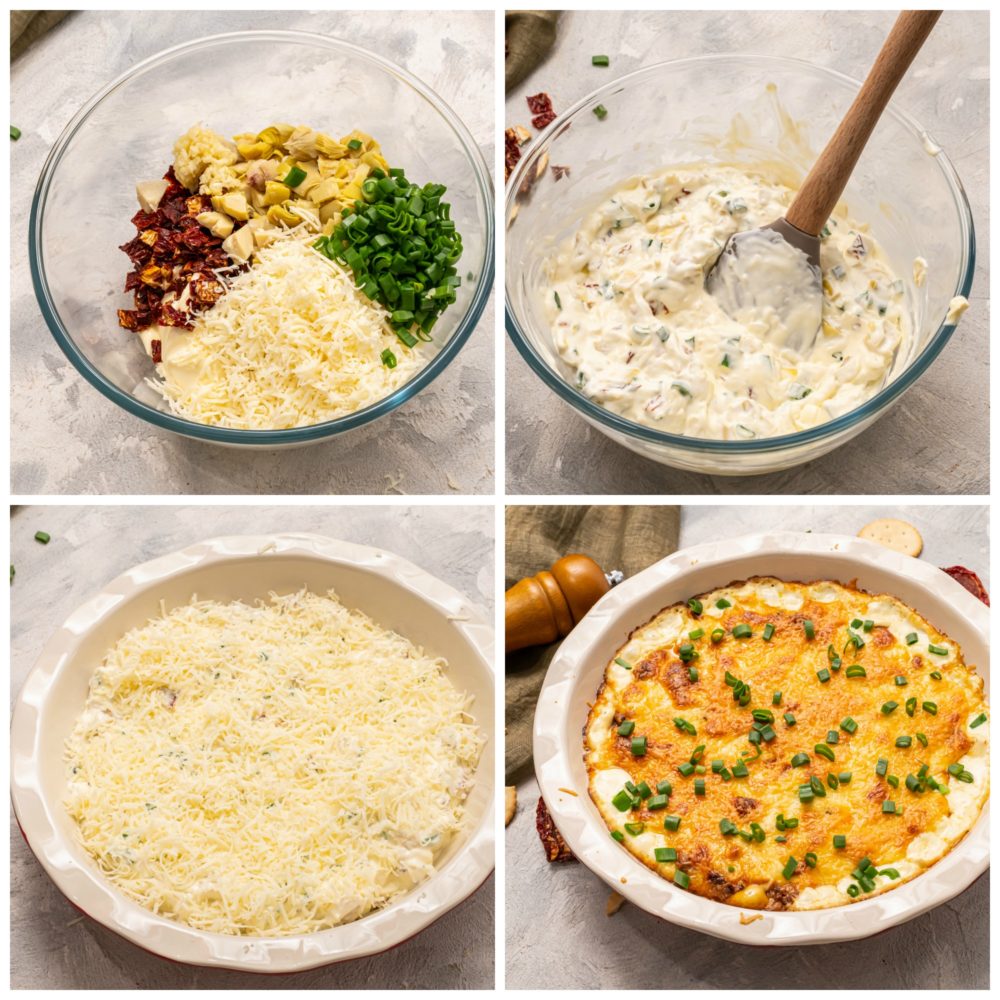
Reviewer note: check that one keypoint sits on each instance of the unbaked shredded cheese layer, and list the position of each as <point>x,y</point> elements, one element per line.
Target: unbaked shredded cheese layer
<point>274,769</point>
<point>293,342</point>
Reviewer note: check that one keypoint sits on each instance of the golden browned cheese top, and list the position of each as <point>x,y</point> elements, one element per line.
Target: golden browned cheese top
<point>855,735</point>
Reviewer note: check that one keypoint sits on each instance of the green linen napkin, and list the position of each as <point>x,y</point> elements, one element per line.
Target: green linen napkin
<point>530,34</point>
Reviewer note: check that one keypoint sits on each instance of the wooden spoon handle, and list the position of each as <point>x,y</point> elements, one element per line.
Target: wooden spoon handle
<point>826,181</point>
<point>545,607</point>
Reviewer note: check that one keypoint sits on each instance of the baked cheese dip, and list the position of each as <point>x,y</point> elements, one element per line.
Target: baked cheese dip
<point>273,769</point>
<point>630,315</point>
<point>788,746</point>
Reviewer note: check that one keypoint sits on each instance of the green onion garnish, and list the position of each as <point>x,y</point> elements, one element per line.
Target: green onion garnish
<point>638,746</point>
<point>600,61</point>
<point>776,698</point>
<point>657,802</point>
<point>888,806</point>
<point>294,177</point>
<point>672,823</point>
<point>622,801</point>
<point>789,719</point>
<point>696,634</point>
<point>839,841</point>
<point>868,625</point>
<point>810,859</point>
<point>695,605</point>
<point>692,674</point>
<point>558,301</point>
<point>644,790</point>
<point>921,739</point>
<point>623,663</point>
<point>800,759</point>
<point>889,707</point>
<point>856,670</point>
<point>388,358</point>
<point>832,737</point>
<point>664,787</point>
<point>768,632</point>
<point>602,112</point>
<point>845,777</point>
<point>853,891</point>
<point>635,828</point>
<point>978,721</point>
<point>722,604</point>
<point>15,132</point>
<point>910,707</point>
<point>699,786</point>
<point>881,767</point>
<point>617,835</point>
<point>685,727</point>
<point>929,707</point>
<point>904,742</point>
<point>937,650</point>
<point>742,631</point>
<point>936,675</point>
<point>789,870</point>
<point>717,635</point>
<point>43,536</point>
<point>625,729</point>
<point>823,675</point>
<point>911,638</point>
<point>740,770</point>
<point>849,725</point>
<point>824,751</point>
<point>687,768</point>
<point>665,855</point>
<point>809,629</point>
<point>680,878</point>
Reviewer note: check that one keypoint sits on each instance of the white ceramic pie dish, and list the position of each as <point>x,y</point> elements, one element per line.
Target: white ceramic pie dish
<point>394,592</point>
<point>575,674</point>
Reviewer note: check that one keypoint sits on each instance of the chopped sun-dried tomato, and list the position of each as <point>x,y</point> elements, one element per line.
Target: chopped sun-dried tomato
<point>172,252</point>
<point>512,151</point>
<point>156,351</point>
<point>539,103</point>
<point>546,118</point>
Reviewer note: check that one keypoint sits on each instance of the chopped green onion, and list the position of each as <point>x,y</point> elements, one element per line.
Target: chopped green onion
<point>809,629</point>
<point>810,859</point>
<point>695,605</point>
<point>800,759</point>
<point>43,536</point>
<point>910,707</point>
<point>672,823</point>
<point>805,793</point>
<point>881,767</point>
<point>832,737</point>
<point>600,61</point>
<point>742,631</point>
<point>687,768</point>
<point>978,721</point>
<point>845,777</point>
<point>911,638</point>
<point>635,828</point>
<point>718,635</point>
<point>817,787</point>
<point>638,746</point>
<point>921,739</point>
<point>839,841</point>
<point>665,855</point>
<point>664,787</point>
<point>740,770</point>
<point>833,781</point>
<point>868,625</point>
<point>789,719</point>
<point>929,707</point>
<point>900,681</point>
<point>776,698</point>
<point>722,604</point>
<point>856,670</point>
<point>889,707</point>
<point>623,663</point>
<point>388,358</point>
<point>680,878</point>
<point>768,632</point>
<point>617,835</point>
<point>696,634</point>
<point>849,725</point>
<point>904,742</point>
<point>893,780</point>
<point>888,806</point>
<point>644,790</point>
<point>937,650</point>
<point>699,786</point>
<point>789,870</point>
<point>625,729</point>
<point>856,623</point>
<point>686,652</point>
<point>824,751</point>
<point>622,801</point>
<point>601,111</point>
<point>657,802</point>
<point>354,144</point>
<point>936,675</point>
<point>692,674</point>
<point>853,891</point>
<point>685,727</point>
<point>294,177</point>
<point>823,675</point>
<point>889,872</point>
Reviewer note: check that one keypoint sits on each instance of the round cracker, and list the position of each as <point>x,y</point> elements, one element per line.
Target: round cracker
<point>511,803</point>
<point>894,534</point>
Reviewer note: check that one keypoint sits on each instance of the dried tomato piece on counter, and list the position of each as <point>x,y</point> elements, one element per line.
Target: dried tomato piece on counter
<point>556,848</point>
<point>540,106</point>
<point>969,580</point>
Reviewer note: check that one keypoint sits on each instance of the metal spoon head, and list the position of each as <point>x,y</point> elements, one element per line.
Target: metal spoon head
<point>769,279</point>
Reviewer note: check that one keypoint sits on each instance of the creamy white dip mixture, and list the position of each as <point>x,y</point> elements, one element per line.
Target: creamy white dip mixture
<point>630,315</point>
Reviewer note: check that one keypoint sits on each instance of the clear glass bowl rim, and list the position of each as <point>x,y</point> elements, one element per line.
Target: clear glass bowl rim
<point>294,435</point>
<point>870,408</point>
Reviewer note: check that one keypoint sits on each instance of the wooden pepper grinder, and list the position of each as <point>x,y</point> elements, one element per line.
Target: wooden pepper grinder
<point>545,607</point>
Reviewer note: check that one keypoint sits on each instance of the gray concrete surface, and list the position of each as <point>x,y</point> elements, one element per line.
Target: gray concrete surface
<point>935,441</point>
<point>66,438</point>
<point>51,945</point>
<point>558,937</point>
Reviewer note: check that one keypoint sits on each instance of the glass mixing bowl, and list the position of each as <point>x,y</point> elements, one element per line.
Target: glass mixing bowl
<point>691,110</point>
<point>235,82</point>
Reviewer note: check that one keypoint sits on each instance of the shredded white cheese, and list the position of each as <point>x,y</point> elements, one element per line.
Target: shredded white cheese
<point>275,769</point>
<point>293,342</point>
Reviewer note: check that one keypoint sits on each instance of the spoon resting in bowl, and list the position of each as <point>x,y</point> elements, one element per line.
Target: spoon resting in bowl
<point>772,275</point>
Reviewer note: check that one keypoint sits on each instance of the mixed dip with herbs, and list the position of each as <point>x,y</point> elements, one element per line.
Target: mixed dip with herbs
<point>631,317</point>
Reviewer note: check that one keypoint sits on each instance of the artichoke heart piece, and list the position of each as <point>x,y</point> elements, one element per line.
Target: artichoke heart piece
<point>240,244</point>
<point>234,204</point>
<point>216,223</point>
<point>270,135</point>
<point>275,193</point>
<point>325,146</point>
<point>279,215</point>
<point>325,191</point>
<point>255,150</point>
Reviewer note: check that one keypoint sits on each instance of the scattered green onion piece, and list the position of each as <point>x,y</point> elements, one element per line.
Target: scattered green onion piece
<point>910,707</point>
<point>823,675</point>
<point>824,751</point>
<point>936,675</point>
<point>911,638</point>
<point>853,891</point>
<point>665,855</point>
<point>600,61</point>
<point>868,625</point>
<point>889,806</point>
<point>722,604</point>
<point>833,781</point>
<point>740,770</point>
<point>718,635</point>
<point>617,835</point>
<point>687,768</point>
<point>625,729</point>
<point>776,698</point>
<point>680,878</point>
<point>638,746</point>
<point>937,650</point>
<point>805,793</point>
<point>657,802</point>
<point>856,670</point>
<point>294,177</point>
<point>696,606</point>
<point>692,674</point>
<point>800,759</point>
<point>354,144</point>
<point>742,631</point>
<point>43,536</point>
<point>881,767</point>
<point>685,727</point>
<point>845,777</point>
<point>839,841</point>
<point>856,623</point>
<point>699,786</point>
<point>889,707</point>
<point>388,358</point>
<point>15,132</point>
<point>978,721</point>
<point>696,634</point>
<point>929,707</point>
<point>664,787</point>
<point>768,632</point>
<point>635,828</point>
<point>623,663</point>
<point>789,719</point>
<point>644,790</point>
<point>904,742</point>
<point>809,629</point>
<point>602,112</point>
<point>672,823</point>
<point>810,859</point>
<point>789,870</point>
<point>893,780</point>
<point>622,801</point>
<point>849,725</point>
